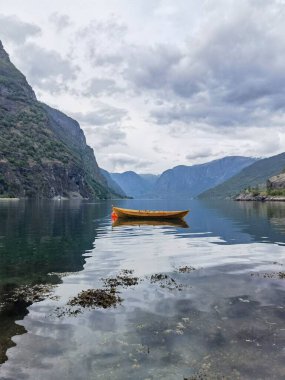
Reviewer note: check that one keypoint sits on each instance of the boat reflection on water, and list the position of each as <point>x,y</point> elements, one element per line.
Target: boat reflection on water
<point>180,223</point>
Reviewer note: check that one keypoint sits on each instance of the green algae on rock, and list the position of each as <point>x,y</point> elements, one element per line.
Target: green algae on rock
<point>92,298</point>
<point>123,279</point>
<point>186,269</point>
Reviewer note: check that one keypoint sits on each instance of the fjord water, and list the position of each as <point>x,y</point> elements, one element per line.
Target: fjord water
<point>225,318</point>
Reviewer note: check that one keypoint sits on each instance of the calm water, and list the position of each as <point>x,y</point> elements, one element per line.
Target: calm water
<point>226,319</point>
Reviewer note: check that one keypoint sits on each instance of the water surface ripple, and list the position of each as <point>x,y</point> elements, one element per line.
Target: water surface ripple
<point>222,318</point>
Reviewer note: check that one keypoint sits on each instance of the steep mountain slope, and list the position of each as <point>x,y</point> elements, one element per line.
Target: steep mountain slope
<point>113,185</point>
<point>132,183</point>
<point>189,181</point>
<point>43,153</point>
<point>253,175</point>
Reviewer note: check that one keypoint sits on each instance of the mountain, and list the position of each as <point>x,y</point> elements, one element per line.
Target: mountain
<point>43,152</point>
<point>133,184</point>
<point>113,185</point>
<point>150,179</point>
<point>189,181</point>
<point>254,175</point>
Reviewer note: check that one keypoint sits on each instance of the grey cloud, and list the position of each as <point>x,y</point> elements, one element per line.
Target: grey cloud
<point>245,61</point>
<point>200,153</point>
<point>105,59</point>
<point>106,135</point>
<point>17,31</point>
<point>105,41</point>
<point>205,114</point>
<point>101,86</point>
<point>236,68</point>
<point>109,29</point>
<point>151,68</point>
<point>102,116</point>
<point>158,149</point>
<point>121,161</point>
<point>46,69</point>
<point>52,85</point>
<point>60,21</point>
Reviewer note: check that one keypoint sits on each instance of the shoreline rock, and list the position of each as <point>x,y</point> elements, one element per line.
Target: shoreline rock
<point>259,198</point>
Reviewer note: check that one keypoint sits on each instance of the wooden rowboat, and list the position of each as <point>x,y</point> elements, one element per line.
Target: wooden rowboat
<point>148,214</point>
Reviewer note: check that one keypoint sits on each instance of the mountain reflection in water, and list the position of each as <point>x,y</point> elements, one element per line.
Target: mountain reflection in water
<point>222,318</point>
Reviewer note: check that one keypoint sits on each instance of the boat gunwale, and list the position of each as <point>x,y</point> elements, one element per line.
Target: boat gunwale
<point>150,214</point>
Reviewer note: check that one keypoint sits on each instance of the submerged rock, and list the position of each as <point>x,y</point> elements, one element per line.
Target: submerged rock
<point>158,277</point>
<point>186,269</point>
<point>93,298</point>
<point>30,293</point>
<point>122,279</point>
<point>165,281</point>
<point>273,275</point>
<point>107,297</point>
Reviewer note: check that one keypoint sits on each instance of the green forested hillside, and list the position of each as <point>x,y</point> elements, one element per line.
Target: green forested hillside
<point>252,176</point>
<point>190,181</point>
<point>36,159</point>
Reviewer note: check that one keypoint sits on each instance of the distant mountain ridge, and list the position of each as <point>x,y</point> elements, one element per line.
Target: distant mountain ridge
<point>254,175</point>
<point>133,184</point>
<point>189,181</point>
<point>181,181</point>
<point>113,185</point>
<point>43,152</point>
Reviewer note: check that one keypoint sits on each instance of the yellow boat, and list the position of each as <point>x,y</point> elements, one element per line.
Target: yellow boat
<point>148,214</point>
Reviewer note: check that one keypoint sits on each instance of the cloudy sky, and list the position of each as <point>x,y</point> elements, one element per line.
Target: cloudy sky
<point>157,83</point>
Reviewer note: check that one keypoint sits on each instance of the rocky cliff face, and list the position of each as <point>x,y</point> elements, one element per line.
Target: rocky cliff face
<point>14,89</point>
<point>69,132</point>
<point>276,182</point>
<point>43,153</point>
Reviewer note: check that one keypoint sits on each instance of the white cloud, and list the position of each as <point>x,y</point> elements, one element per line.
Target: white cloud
<point>102,115</point>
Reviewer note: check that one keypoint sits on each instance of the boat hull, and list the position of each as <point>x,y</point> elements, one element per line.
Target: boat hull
<point>148,214</point>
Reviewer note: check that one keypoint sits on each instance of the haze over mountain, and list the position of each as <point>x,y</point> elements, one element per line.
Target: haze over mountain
<point>133,184</point>
<point>112,184</point>
<point>189,181</point>
<point>150,179</point>
<point>43,152</point>
<point>253,175</point>
<point>181,181</point>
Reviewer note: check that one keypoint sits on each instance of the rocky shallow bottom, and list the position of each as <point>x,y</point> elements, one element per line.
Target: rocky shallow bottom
<point>160,333</point>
